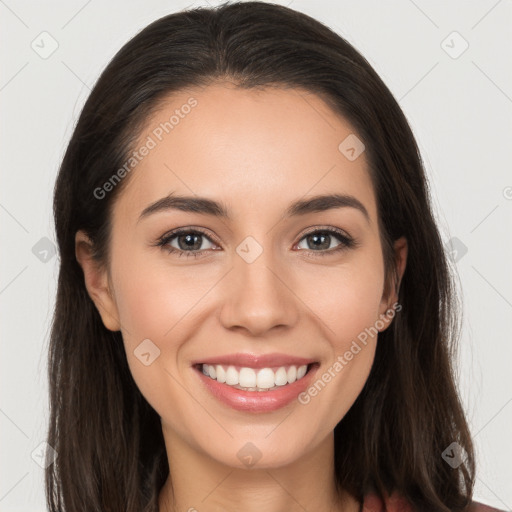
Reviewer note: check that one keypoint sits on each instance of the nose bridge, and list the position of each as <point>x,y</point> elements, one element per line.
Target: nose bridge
<point>257,298</point>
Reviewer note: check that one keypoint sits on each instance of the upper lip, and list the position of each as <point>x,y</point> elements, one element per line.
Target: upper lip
<point>256,360</point>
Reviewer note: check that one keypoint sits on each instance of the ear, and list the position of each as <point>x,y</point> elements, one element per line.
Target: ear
<point>390,295</point>
<point>97,282</point>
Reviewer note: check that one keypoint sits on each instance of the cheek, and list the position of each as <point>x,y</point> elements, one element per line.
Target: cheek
<point>346,300</point>
<point>151,296</point>
<point>349,312</point>
<point>156,302</point>
<point>149,311</point>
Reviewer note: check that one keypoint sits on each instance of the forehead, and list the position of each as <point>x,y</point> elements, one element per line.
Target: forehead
<point>249,148</point>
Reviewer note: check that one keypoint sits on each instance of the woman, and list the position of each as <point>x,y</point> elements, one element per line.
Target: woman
<point>254,309</point>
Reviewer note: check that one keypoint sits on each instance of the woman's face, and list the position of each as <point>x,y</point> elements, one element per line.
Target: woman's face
<point>264,280</point>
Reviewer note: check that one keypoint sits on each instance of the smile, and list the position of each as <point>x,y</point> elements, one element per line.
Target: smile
<point>254,379</point>
<point>256,384</point>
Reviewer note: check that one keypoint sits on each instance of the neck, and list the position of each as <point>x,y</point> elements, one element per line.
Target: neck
<point>199,483</point>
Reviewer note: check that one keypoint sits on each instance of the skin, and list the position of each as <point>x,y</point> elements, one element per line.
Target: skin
<point>256,151</point>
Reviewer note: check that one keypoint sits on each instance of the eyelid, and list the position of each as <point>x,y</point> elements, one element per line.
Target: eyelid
<point>188,229</point>
<point>346,242</point>
<point>315,229</point>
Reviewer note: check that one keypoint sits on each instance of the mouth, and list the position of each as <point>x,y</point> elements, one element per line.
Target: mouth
<point>246,378</point>
<point>256,389</point>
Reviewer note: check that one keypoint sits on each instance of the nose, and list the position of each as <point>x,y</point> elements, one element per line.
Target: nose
<point>259,297</point>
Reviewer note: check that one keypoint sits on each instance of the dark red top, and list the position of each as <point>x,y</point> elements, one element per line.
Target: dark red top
<point>395,503</point>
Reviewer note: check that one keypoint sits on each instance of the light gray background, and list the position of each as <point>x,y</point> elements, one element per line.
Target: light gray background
<point>460,110</point>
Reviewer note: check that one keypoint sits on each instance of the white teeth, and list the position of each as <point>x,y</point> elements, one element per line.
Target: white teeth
<point>265,378</point>
<point>247,378</point>
<point>221,374</point>
<point>291,374</point>
<point>301,371</point>
<point>250,379</point>
<point>231,375</point>
<point>281,377</point>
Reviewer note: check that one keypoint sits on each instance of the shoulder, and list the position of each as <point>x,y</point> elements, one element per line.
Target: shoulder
<point>395,503</point>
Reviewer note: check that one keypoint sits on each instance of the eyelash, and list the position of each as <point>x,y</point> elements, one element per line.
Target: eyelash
<point>346,242</point>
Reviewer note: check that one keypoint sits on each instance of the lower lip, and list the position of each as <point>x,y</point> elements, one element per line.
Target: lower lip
<point>257,401</point>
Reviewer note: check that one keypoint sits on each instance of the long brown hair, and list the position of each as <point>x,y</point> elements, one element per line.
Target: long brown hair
<point>111,453</point>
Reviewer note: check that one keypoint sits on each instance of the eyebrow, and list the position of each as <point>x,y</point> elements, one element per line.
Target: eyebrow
<point>205,206</point>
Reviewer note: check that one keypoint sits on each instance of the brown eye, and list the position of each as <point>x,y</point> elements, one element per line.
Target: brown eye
<point>326,241</point>
<point>185,241</point>
<point>191,241</point>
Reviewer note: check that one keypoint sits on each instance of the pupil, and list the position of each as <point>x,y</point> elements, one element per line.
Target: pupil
<point>316,238</point>
<point>190,238</point>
